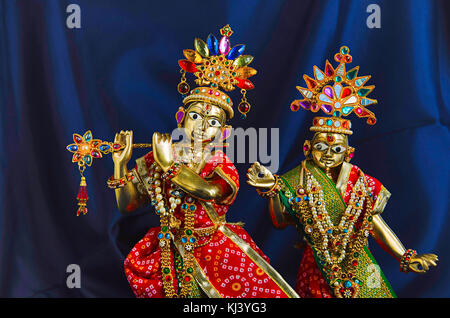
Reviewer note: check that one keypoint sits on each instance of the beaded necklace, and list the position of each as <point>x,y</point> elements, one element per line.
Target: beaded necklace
<point>337,247</point>
<point>165,206</point>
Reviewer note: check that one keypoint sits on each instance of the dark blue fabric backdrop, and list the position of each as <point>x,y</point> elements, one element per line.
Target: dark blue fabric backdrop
<point>120,71</point>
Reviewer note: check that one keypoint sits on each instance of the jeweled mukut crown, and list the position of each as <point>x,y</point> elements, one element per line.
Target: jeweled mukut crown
<point>218,67</point>
<point>338,93</point>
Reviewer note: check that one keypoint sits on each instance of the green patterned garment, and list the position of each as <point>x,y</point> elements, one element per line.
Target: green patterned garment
<point>373,283</point>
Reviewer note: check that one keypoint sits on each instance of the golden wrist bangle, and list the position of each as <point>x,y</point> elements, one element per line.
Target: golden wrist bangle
<point>273,191</point>
<point>121,182</point>
<point>406,260</point>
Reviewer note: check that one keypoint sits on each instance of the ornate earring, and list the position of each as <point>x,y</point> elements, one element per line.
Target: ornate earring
<point>179,116</point>
<point>183,86</point>
<point>306,148</point>
<point>350,152</point>
<point>226,132</point>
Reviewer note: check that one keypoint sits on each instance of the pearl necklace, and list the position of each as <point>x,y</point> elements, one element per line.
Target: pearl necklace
<point>336,246</point>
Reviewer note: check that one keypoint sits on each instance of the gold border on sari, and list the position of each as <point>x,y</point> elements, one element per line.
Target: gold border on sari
<point>200,276</point>
<point>342,180</point>
<point>251,253</point>
<point>382,199</point>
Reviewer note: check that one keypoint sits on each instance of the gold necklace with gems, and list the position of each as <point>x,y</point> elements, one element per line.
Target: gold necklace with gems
<point>337,247</point>
<point>165,208</point>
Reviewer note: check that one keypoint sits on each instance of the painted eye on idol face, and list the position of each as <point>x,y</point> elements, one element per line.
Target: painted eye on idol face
<point>204,121</point>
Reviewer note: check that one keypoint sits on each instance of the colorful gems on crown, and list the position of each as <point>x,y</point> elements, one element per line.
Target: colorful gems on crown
<point>337,92</point>
<point>332,125</point>
<point>218,64</point>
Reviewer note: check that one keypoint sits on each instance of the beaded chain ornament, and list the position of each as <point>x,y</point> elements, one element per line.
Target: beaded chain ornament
<point>336,246</point>
<point>165,206</point>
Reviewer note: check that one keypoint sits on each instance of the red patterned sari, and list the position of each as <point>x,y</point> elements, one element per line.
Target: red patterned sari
<point>227,261</point>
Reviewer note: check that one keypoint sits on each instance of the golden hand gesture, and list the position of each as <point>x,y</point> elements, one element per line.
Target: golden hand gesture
<point>125,138</point>
<point>162,150</point>
<point>260,177</point>
<point>422,263</point>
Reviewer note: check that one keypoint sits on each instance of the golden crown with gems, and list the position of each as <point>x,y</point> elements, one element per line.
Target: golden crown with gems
<point>338,93</point>
<point>217,66</point>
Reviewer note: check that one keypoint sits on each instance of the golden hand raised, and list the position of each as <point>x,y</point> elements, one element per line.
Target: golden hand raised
<point>422,263</point>
<point>162,150</point>
<point>121,158</point>
<point>260,177</point>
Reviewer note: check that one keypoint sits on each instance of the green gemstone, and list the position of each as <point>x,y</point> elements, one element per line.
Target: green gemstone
<point>338,79</point>
<point>356,254</point>
<point>242,61</point>
<point>309,221</point>
<point>201,47</point>
<point>337,114</point>
<point>214,85</point>
<point>370,218</point>
<point>226,62</point>
<point>190,270</point>
<point>166,270</point>
<point>363,92</point>
<point>196,91</point>
<point>344,50</point>
<point>234,73</point>
<point>188,232</point>
<point>164,228</point>
<point>352,74</point>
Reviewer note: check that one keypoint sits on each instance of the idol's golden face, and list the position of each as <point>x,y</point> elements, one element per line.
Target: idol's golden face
<point>203,122</point>
<point>328,149</point>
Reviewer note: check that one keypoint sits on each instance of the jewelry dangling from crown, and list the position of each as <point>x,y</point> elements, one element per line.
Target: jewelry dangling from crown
<point>338,93</point>
<point>217,66</point>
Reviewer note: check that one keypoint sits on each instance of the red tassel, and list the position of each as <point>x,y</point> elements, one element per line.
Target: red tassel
<point>82,197</point>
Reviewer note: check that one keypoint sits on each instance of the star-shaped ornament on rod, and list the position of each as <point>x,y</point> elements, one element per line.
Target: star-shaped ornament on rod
<point>85,150</point>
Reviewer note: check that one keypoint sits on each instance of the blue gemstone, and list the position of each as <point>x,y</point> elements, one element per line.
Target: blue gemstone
<point>160,235</point>
<point>88,137</point>
<point>192,240</point>
<point>236,51</point>
<point>158,212</point>
<point>330,231</point>
<point>183,239</point>
<point>298,199</point>
<point>329,122</point>
<point>104,147</point>
<point>213,45</point>
<point>319,203</point>
<point>344,230</point>
<point>184,206</point>
<point>357,281</point>
<point>357,204</point>
<point>192,207</point>
<point>347,284</point>
<point>167,236</point>
<point>87,159</point>
<point>306,198</point>
<point>72,148</point>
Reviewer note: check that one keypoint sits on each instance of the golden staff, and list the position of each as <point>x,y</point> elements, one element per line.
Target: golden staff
<point>85,150</point>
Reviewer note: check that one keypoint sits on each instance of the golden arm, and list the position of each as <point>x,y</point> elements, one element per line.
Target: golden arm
<point>192,183</point>
<point>128,198</point>
<point>280,218</point>
<point>386,238</point>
